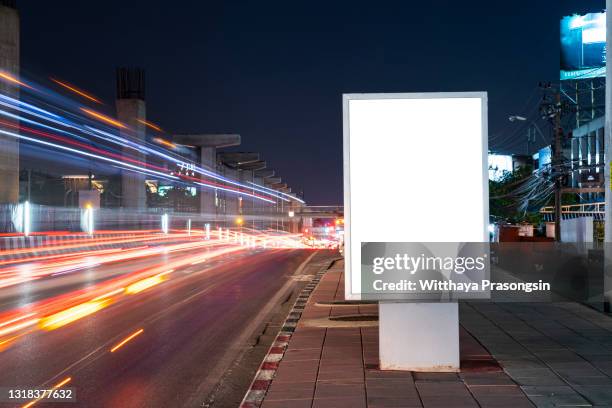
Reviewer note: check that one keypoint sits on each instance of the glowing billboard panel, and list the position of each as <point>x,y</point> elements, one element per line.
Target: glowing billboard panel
<point>583,46</point>
<point>415,170</point>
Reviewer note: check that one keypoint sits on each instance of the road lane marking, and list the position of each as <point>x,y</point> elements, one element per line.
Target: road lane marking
<point>128,338</point>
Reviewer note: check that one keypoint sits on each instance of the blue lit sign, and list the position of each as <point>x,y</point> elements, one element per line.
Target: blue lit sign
<point>583,46</point>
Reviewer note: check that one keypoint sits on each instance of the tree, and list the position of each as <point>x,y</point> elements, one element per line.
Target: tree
<point>510,197</point>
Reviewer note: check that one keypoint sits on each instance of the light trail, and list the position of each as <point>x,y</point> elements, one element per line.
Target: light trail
<point>277,192</point>
<point>128,338</point>
<point>14,80</point>
<point>17,319</point>
<point>79,261</point>
<point>110,294</point>
<point>144,284</point>
<point>95,156</point>
<point>104,118</point>
<point>149,124</point>
<point>164,142</point>
<point>16,103</point>
<point>17,327</point>
<point>248,189</point>
<point>60,319</point>
<point>81,242</point>
<point>76,90</point>
<point>148,168</point>
<point>69,307</point>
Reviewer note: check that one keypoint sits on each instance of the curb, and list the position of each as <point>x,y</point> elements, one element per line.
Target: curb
<point>267,370</point>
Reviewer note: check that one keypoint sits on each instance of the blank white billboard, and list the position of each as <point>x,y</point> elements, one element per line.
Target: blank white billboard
<point>415,170</point>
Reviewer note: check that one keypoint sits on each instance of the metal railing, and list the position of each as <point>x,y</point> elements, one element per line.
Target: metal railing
<point>595,210</point>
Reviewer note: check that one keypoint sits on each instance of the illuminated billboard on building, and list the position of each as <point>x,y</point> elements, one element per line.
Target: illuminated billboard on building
<point>583,46</point>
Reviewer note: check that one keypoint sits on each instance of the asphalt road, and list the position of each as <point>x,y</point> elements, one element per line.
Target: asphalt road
<point>186,330</point>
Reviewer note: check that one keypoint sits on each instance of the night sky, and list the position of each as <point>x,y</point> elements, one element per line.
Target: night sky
<point>275,71</point>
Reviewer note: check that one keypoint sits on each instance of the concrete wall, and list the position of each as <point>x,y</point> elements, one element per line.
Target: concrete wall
<point>577,230</point>
<point>133,193</point>
<point>9,146</point>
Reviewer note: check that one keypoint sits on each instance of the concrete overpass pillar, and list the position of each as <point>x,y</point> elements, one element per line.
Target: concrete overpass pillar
<point>248,203</point>
<point>232,204</point>
<point>259,205</point>
<point>208,144</point>
<point>9,64</point>
<point>208,159</point>
<point>131,111</point>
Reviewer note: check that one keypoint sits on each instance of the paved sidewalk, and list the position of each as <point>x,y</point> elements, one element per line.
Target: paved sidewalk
<point>512,355</point>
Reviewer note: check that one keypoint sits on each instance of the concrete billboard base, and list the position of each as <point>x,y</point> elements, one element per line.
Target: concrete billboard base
<point>419,336</point>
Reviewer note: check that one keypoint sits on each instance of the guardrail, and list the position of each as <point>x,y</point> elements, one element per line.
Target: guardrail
<point>28,219</point>
<point>595,210</point>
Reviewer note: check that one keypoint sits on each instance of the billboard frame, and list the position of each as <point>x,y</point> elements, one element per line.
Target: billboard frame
<point>346,98</point>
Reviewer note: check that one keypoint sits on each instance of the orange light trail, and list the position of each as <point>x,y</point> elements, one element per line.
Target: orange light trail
<point>109,294</point>
<point>6,343</point>
<point>57,320</point>
<point>104,118</point>
<point>76,90</point>
<point>149,124</point>
<point>16,319</point>
<point>55,387</point>
<point>15,327</point>
<point>144,284</point>
<point>12,79</point>
<point>128,338</point>
<point>164,142</point>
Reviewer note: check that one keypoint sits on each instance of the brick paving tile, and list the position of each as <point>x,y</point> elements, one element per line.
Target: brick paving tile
<point>294,403</point>
<point>555,396</point>
<point>504,402</point>
<point>331,367</point>
<point>427,389</point>
<point>339,402</point>
<point>447,401</point>
<point>381,402</point>
<point>340,374</point>
<point>404,392</point>
<point>496,391</point>
<point>389,375</point>
<point>496,378</point>
<point>436,377</point>
<point>328,389</point>
<point>293,390</point>
<point>301,354</point>
<point>596,394</point>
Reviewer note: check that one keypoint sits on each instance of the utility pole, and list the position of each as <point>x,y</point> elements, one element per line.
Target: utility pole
<point>551,110</point>
<point>557,164</point>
